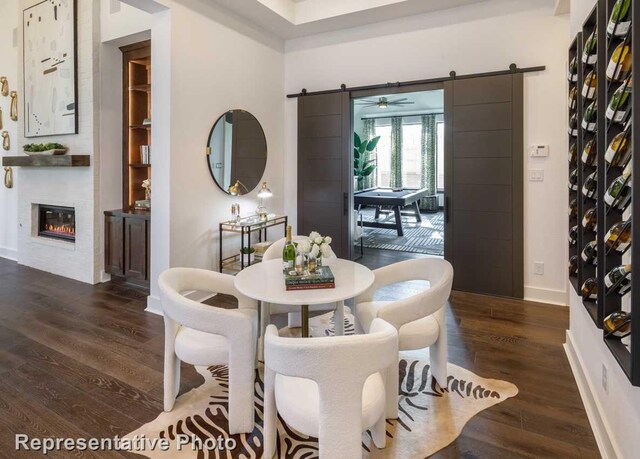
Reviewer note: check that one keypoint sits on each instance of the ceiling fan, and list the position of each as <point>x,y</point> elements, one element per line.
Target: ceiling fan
<point>383,102</point>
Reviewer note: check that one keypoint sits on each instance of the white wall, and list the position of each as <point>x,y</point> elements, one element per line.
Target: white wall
<point>614,413</point>
<point>477,38</point>
<point>9,68</point>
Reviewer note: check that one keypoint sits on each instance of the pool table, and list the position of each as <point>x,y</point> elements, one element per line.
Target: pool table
<point>396,199</point>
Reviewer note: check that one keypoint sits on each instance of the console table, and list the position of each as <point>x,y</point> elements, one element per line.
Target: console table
<point>245,227</point>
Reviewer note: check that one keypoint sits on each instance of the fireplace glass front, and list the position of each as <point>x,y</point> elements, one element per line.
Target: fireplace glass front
<point>57,222</point>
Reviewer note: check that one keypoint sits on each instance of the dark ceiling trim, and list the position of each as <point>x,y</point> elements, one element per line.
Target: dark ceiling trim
<point>513,68</point>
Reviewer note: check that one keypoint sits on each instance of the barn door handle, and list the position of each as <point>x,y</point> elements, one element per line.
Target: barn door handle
<point>345,203</point>
<point>446,209</point>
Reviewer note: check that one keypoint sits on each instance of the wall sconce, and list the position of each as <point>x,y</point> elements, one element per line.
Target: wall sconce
<point>6,141</point>
<point>8,177</point>
<point>13,112</point>
<point>234,190</point>
<point>4,86</point>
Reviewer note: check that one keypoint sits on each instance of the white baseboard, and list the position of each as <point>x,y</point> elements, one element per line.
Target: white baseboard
<point>154,305</point>
<point>591,404</point>
<point>104,277</point>
<point>9,254</point>
<point>545,295</point>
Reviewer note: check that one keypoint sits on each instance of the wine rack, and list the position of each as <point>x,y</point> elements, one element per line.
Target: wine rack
<point>613,162</point>
<point>575,84</point>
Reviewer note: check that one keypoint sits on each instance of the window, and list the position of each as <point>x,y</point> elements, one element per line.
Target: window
<point>411,160</point>
<point>440,155</point>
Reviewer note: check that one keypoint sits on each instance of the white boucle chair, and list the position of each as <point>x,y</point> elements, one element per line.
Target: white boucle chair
<point>204,335</point>
<point>420,318</point>
<point>332,388</point>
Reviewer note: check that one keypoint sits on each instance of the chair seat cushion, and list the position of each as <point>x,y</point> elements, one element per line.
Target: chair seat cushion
<point>366,312</point>
<point>201,348</point>
<point>298,402</point>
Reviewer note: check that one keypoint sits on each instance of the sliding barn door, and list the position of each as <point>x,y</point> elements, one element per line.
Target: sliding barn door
<point>484,196</point>
<point>325,172</point>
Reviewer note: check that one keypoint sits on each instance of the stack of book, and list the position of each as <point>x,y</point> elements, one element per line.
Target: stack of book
<point>322,278</point>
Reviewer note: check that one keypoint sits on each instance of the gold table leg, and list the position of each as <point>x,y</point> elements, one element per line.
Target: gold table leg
<point>305,320</point>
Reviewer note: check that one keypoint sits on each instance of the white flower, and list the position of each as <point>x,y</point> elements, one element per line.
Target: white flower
<point>315,250</point>
<point>304,246</point>
<point>328,239</point>
<point>318,240</point>
<point>314,235</point>
<point>325,249</point>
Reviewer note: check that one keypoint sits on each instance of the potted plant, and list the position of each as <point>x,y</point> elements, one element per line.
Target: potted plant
<point>363,164</point>
<point>248,255</point>
<point>44,149</point>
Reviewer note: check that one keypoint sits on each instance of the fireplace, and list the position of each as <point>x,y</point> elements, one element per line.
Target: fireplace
<point>57,222</point>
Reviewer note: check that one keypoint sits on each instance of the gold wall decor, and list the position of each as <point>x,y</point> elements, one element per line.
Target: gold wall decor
<point>6,141</point>
<point>8,177</point>
<point>0,118</point>
<point>4,86</point>
<point>13,111</point>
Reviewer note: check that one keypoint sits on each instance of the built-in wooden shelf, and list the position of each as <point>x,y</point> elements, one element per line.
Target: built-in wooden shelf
<point>47,161</point>
<point>139,165</point>
<point>140,87</point>
<point>140,126</point>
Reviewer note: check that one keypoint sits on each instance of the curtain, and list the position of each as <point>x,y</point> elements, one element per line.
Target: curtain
<point>369,133</point>
<point>428,167</point>
<point>395,180</point>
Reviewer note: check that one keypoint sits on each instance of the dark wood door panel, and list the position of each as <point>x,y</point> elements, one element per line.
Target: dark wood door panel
<point>483,90</point>
<point>135,249</point>
<point>321,126</point>
<point>322,105</point>
<point>485,280</point>
<point>494,225</point>
<point>325,170</point>
<point>482,144</point>
<point>484,252</point>
<point>322,192</point>
<point>484,171</point>
<point>323,148</point>
<point>484,117</point>
<point>483,198</point>
<point>114,245</point>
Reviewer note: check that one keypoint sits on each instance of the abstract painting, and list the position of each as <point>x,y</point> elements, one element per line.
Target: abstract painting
<point>49,54</point>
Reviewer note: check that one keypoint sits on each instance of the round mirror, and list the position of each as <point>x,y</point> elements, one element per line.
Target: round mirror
<point>237,152</point>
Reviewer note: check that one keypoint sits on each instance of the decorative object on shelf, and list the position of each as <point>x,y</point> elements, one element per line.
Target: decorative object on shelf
<point>4,86</point>
<point>619,236</point>
<point>264,193</point>
<point>619,106</point>
<point>303,279</point>
<point>145,154</point>
<point>6,141</point>
<point>617,325</point>
<point>44,149</point>
<point>573,265</point>
<point>146,122</point>
<point>589,289</point>
<point>363,164</point>
<point>49,60</point>
<point>589,55</point>
<point>618,279</point>
<point>248,255</point>
<point>235,190</point>
<point>236,149</point>
<point>8,177</point>
<point>146,203</point>
<point>620,20</point>
<point>13,108</point>
<point>235,212</point>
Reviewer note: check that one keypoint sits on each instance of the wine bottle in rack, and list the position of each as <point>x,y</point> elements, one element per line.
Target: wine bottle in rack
<point>573,235</point>
<point>617,324</point>
<point>590,151</point>
<point>619,192</point>
<point>619,150</point>
<point>590,219</point>
<point>620,19</point>
<point>573,180</point>
<point>618,279</point>
<point>573,208</point>
<point>619,106</point>
<point>590,85</point>
<point>573,70</point>
<point>573,98</point>
<point>589,119</point>
<point>573,153</point>
<point>573,125</point>
<point>589,289</point>
<point>619,65</point>
<point>573,265</point>
<point>590,253</point>
<point>590,187</point>
<point>590,52</point>
<point>619,236</point>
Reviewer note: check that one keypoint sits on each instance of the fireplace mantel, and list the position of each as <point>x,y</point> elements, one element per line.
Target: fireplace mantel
<point>47,161</point>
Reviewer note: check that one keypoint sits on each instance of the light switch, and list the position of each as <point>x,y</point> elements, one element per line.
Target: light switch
<point>538,151</point>
<point>536,175</point>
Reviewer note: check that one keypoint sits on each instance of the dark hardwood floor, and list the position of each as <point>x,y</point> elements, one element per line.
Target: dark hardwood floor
<point>80,361</point>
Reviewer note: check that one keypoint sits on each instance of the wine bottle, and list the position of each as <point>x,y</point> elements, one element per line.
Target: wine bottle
<point>620,103</point>
<point>573,98</point>
<point>589,119</point>
<point>619,236</point>
<point>573,235</point>
<point>619,65</point>
<point>619,150</point>
<point>619,192</point>
<point>589,54</point>
<point>590,85</point>
<point>589,289</point>
<point>618,324</point>
<point>618,279</point>
<point>589,153</point>
<point>590,219</point>
<point>573,180</point>
<point>573,208</point>
<point>573,265</point>
<point>590,253</point>
<point>288,253</point>
<point>620,19</point>
<point>573,126</point>
<point>573,153</point>
<point>590,187</point>
<point>572,74</point>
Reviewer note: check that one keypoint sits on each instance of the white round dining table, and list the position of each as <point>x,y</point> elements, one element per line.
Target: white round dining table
<point>265,282</point>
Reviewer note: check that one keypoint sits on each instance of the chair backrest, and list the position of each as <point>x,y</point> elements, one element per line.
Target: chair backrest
<point>195,315</point>
<point>333,360</point>
<point>275,250</point>
<point>437,271</point>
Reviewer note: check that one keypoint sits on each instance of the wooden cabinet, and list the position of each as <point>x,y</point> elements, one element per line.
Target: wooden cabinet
<point>127,240</point>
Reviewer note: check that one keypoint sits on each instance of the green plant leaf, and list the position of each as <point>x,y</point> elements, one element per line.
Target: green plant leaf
<point>368,170</point>
<point>363,147</point>
<point>373,143</point>
<point>356,154</point>
<point>356,140</point>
